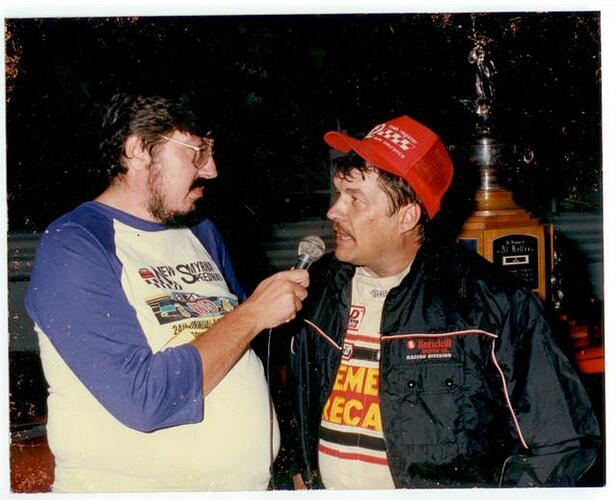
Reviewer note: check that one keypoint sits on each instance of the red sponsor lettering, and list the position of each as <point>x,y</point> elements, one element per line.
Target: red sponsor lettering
<point>430,346</point>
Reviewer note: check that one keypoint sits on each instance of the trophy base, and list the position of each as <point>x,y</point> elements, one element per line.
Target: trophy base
<point>507,235</point>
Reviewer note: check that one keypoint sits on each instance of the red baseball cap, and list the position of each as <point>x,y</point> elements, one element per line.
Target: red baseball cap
<point>408,149</point>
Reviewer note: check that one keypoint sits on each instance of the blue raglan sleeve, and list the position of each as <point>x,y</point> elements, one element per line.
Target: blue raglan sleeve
<point>210,238</point>
<point>76,299</point>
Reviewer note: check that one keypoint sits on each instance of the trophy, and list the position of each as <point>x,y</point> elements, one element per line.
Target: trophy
<point>499,229</point>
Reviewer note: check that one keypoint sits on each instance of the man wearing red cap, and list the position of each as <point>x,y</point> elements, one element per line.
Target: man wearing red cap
<point>419,365</point>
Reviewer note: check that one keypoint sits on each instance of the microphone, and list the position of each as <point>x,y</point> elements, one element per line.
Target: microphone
<point>310,249</point>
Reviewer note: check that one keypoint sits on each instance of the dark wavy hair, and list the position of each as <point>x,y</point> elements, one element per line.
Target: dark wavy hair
<point>146,117</point>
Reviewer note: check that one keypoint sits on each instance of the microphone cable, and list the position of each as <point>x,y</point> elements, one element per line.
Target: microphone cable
<point>310,249</point>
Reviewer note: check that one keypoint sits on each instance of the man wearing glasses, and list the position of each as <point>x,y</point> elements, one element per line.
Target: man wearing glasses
<point>144,343</point>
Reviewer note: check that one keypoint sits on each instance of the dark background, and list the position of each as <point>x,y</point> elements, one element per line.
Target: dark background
<point>270,86</point>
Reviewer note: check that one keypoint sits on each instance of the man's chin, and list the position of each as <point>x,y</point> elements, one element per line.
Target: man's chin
<point>343,255</point>
<point>182,219</point>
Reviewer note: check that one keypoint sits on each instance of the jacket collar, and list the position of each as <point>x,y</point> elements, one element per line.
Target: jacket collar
<point>340,273</point>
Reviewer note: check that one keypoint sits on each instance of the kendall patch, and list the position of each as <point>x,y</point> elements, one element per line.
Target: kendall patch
<point>429,348</point>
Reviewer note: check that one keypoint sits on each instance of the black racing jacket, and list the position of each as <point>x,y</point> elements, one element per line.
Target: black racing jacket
<point>473,389</point>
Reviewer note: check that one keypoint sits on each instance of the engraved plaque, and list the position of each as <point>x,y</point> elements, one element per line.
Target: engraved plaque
<point>517,254</point>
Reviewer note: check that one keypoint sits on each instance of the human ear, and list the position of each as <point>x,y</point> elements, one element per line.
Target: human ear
<point>136,155</point>
<point>408,217</point>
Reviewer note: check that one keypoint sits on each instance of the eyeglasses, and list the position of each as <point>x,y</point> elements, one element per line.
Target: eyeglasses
<point>203,152</point>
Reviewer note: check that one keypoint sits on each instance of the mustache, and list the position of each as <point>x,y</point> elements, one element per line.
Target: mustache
<point>339,228</point>
<point>198,183</point>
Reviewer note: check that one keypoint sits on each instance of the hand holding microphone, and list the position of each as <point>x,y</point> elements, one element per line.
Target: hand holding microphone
<point>277,299</point>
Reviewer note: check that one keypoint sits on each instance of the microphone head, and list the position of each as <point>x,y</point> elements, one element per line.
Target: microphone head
<point>310,248</point>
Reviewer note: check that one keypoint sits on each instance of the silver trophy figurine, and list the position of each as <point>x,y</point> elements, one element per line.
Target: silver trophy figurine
<point>486,152</point>
<point>484,81</point>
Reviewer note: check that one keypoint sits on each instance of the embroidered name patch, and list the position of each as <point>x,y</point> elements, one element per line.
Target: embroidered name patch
<point>429,348</point>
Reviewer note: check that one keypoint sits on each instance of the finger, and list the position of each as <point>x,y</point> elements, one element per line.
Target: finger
<point>300,292</point>
<point>290,317</point>
<point>298,304</point>
<point>299,276</point>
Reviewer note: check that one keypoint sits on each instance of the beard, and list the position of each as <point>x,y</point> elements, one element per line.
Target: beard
<point>158,206</point>
<point>169,218</point>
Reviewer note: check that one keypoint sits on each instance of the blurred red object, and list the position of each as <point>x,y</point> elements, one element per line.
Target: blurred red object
<point>32,466</point>
<point>591,359</point>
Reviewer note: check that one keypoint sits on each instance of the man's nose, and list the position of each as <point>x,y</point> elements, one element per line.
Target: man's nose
<point>334,211</point>
<point>209,170</point>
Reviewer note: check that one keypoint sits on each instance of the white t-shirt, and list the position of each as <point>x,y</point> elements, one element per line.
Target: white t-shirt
<point>352,452</point>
